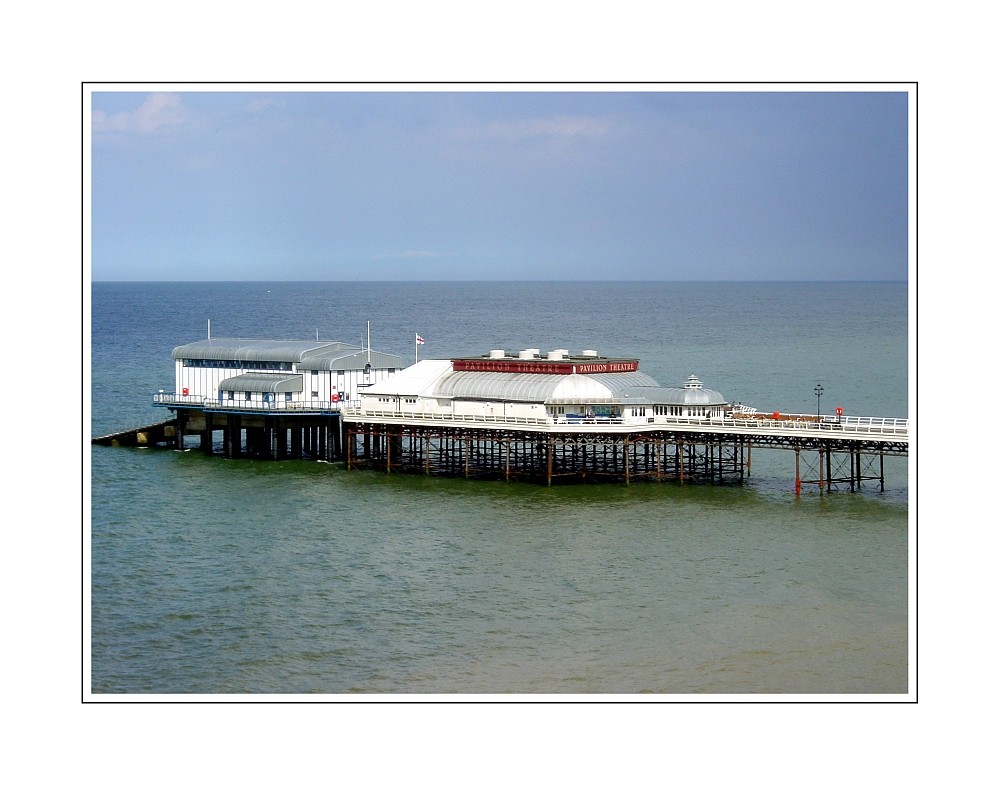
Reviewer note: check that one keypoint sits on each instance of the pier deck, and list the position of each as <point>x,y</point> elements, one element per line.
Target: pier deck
<point>715,450</point>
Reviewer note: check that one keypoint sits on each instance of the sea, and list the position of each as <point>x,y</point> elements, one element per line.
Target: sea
<point>215,579</point>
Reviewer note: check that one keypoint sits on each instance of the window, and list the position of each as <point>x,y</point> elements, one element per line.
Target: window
<point>252,365</point>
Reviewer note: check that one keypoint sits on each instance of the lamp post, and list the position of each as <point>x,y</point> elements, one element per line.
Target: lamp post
<point>818,389</point>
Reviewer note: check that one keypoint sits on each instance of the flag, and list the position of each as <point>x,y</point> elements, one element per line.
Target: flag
<point>420,341</point>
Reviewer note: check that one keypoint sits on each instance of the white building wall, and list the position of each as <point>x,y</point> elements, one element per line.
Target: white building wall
<point>203,382</point>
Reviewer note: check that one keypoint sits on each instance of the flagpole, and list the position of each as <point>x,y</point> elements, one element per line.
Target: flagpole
<point>416,349</point>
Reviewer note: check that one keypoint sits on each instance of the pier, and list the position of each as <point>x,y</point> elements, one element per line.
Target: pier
<point>827,453</point>
<point>550,419</point>
<point>255,431</point>
<point>160,434</point>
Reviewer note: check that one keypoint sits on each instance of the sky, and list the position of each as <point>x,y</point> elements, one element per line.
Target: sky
<point>483,184</point>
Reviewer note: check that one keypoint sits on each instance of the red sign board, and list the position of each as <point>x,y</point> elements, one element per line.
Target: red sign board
<point>545,366</point>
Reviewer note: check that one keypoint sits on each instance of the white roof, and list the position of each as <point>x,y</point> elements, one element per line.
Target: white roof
<point>436,379</point>
<point>413,380</point>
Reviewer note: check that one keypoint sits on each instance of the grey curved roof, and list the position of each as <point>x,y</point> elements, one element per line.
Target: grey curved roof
<point>691,394</point>
<point>310,355</point>
<point>263,382</point>
<point>477,385</point>
<point>496,386</point>
<point>351,359</point>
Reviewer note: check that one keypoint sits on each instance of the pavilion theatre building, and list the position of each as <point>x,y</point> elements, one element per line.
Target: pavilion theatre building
<point>527,414</point>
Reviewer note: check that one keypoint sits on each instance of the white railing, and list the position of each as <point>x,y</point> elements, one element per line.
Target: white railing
<point>885,426</point>
<point>258,405</point>
<point>892,426</point>
<point>392,414</point>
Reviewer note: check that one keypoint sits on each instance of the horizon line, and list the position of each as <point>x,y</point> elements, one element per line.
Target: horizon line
<point>498,280</point>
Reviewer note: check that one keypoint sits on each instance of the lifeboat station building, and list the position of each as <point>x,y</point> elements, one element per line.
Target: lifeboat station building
<point>504,414</point>
<point>271,398</point>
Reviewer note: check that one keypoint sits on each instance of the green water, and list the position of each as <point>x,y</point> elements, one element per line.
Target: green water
<point>220,577</point>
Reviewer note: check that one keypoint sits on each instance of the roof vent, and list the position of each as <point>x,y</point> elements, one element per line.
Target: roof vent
<point>692,383</point>
<point>497,354</point>
<point>588,353</point>
<point>528,354</point>
<point>558,354</point>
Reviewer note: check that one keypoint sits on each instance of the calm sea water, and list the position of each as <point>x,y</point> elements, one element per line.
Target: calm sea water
<point>218,577</point>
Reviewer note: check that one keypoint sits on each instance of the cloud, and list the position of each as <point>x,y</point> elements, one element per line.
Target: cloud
<point>158,111</point>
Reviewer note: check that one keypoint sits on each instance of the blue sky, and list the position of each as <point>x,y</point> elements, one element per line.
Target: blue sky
<point>498,185</point>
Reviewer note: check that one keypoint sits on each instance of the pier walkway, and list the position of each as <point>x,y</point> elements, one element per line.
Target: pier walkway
<point>892,432</point>
<point>767,427</point>
<point>828,450</point>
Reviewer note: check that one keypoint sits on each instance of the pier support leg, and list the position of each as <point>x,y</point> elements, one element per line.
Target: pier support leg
<point>233,436</point>
<point>206,435</point>
<point>181,423</point>
<point>626,456</point>
<point>798,477</point>
<point>549,462</point>
<point>273,446</point>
